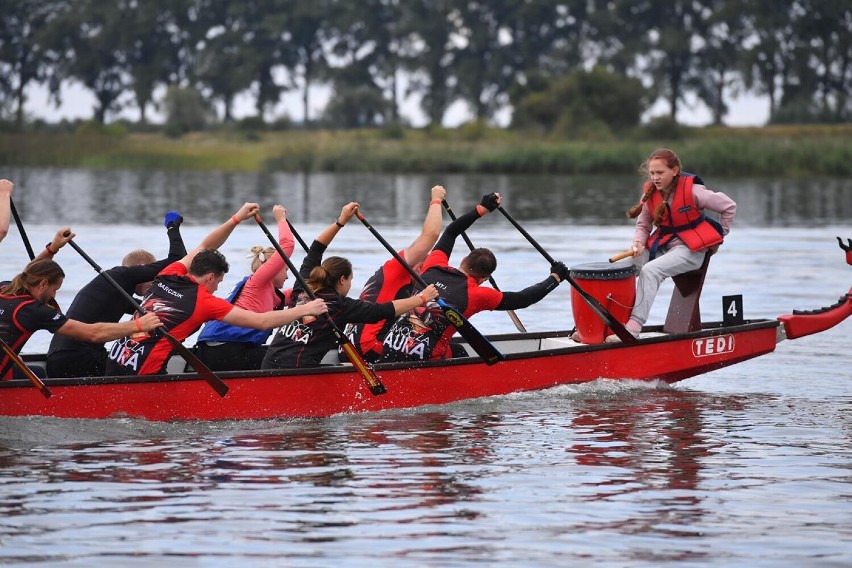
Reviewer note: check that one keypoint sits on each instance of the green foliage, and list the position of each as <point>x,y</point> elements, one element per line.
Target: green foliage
<point>663,128</point>
<point>356,107</point>
<point>186,111</point>
<point>393,131</point>
<point>93,127</point>
<point>596,103</point>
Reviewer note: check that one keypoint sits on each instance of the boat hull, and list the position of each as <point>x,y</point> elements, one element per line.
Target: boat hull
<point>533,361</point>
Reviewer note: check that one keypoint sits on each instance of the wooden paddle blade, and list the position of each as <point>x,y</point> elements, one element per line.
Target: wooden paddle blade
<point>478,342</point>
<point>203,370</point>
<point>370,377</point>
<point>28,373</point>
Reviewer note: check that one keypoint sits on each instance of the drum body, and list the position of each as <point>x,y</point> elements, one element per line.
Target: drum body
<point>611,284</point>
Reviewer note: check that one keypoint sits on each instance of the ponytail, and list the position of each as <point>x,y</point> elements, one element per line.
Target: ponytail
<point>259,255</point>
<point>34,272</point>
<point>328,273</point>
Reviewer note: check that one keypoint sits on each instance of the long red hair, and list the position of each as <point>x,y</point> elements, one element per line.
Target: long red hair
<point>672,161</point>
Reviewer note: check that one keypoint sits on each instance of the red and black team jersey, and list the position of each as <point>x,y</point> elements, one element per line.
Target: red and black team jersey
<point>183,306</point>
<point>425,333</point>
<point>304,342</point>
<point>20,317</point>
<point>390,282</point>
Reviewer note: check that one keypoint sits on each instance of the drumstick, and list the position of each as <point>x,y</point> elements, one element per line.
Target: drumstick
<point>621,255</point>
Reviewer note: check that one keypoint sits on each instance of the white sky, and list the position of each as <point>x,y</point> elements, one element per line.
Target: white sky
<point>79,103</point>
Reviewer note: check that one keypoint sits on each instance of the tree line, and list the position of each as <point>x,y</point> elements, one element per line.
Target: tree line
<point>548,59</point>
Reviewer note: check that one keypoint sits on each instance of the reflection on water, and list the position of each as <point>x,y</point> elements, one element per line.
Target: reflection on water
<point>130,196</point>
<point>531,479</point>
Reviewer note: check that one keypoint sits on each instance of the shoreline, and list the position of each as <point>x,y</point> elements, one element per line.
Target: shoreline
<point>802,150</point>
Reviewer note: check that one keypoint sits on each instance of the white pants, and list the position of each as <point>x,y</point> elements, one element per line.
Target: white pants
<point>675,260</point>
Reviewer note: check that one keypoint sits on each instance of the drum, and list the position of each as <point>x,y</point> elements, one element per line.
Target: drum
<point>611,284</point>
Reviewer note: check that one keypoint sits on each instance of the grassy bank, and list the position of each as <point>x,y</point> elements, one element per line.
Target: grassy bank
<point>771,151</point>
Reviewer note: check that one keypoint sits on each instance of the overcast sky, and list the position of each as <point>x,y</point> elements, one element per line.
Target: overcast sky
<point>78,103</point>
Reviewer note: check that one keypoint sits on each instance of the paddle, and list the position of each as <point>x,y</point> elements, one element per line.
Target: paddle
<point>297,236</point>
<point>196,363</point>
<point>16,359</point>
<point>616,326</point>
<point>476,340</point>
<point>520,327</point>
<point>21,230</point>
<point>370,377</point>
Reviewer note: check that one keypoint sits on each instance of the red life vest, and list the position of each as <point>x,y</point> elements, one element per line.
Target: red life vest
<point>684,219</point>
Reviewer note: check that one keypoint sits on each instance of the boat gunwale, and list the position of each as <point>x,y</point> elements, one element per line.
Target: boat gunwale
<point>709,329</point>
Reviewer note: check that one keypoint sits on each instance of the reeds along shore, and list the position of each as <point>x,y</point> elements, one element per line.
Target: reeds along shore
<point>770,151</point>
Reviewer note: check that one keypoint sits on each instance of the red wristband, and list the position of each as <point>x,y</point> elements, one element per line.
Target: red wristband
<point>435,202</point>
<point>138,325</point>
<point>47,248</point>
<point>423,300</point>
<point>235,220</point>
<point>481,210</point>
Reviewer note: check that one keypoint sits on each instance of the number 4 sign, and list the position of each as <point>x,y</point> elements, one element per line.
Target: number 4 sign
<point>732,310</point>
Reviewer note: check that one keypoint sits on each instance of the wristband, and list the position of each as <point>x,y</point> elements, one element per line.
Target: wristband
<point>235,220</point>
<point>423,300</point>
<point>481,210</point>
<point>138,325</point>
<point>47,248</point>
<point>338,223</point>
<point>435,202</point>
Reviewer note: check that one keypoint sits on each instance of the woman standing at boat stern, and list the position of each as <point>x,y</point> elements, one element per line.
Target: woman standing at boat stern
<point>673,235</point>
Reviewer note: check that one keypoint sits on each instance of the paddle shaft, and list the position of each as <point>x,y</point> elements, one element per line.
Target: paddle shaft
<point>28,373</point>
<point>616,326</point>
<point>476,340</point>
<point>297,236</point>
<point>21,230</point>
<point>196,363</point>
<point>514,317</point>
<point>370,377</point>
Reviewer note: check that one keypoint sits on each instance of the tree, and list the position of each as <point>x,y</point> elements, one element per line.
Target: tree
<point>718,70</point>
<point>582,100</point>
<point>24,48</point>
<point>226,61</point>
<point>370,40</point>
<point>769,53</point>
<point>90,37</point>
<point>150,44</point>
<point>304,44</point>
<point>431,23</point>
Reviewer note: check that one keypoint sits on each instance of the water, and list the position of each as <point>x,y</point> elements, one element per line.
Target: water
<point>745,466</point>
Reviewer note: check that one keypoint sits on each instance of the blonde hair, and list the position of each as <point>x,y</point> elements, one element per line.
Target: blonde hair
<point>672,161</point>
<point>138,257</point>
<point>259,255</point>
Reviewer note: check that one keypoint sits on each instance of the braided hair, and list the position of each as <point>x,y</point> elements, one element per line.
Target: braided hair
<point>661,213</point>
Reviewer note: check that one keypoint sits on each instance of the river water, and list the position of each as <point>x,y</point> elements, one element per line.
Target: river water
<point>744,466</point>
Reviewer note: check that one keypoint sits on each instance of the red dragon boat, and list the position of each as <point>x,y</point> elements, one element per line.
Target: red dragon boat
<point>681,348</point>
